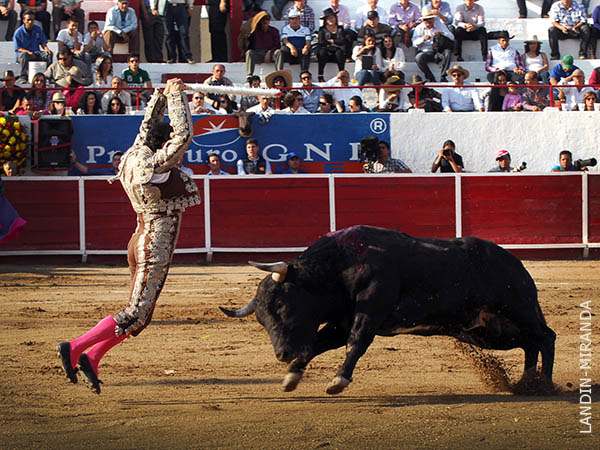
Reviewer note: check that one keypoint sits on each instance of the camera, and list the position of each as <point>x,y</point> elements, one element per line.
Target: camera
<point>522,167</point>
<point>591,162</point>
<point>369,148</point>
<point>447,152</point>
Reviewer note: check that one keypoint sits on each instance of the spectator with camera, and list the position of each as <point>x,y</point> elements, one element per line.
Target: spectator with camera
<point>447,160</point>
<point>434,42</point>
<point>566,163</point>
<point>384,162</point>
<point>503,159</point>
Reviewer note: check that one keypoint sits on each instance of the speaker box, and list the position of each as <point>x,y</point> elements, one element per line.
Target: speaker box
<point>54,143</point>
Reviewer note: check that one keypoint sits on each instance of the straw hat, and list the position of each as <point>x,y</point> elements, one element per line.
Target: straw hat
<point>534,40</point>
<point>393,80</point>
<point>460,69</point>
<point>286,74</point>
<point>58,97</point>
<point>428,14</point>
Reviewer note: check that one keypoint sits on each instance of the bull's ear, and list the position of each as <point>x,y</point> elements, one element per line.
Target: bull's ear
<point>278,270</point>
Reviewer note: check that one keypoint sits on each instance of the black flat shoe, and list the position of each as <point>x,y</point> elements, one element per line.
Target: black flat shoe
<point>89,376</point>
<point>64,353</point>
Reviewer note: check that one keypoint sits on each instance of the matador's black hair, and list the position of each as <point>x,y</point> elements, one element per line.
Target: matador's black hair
<point>158,135</point>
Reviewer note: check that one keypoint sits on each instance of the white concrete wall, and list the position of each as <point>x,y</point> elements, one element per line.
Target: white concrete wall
<point>534,137</point>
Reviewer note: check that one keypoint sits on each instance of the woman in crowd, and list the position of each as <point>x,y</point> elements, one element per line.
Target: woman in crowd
<point>495,96</point>
<point>535,60</point>
<point>326,104</point>
<point>115,106</point>
<point>392,57</point>
<point>368,62</point>
<point>104,72</point>
<point>41,97</point>
<point>57,105</point>
<point>356,105</point>
<point>331,43</point>
<point>89,104</point>
<point>589,98</point>
<point>226,105</point>
<point>250,100</point>
<point>293,103</point>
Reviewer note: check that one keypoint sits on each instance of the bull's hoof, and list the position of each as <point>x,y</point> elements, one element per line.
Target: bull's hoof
<point>291,380</point>
<point>534,383</point>
<point>337,385</point>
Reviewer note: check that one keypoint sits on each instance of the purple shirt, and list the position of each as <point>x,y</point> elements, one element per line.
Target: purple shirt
<point>510,101</point>
<point>400,16</point>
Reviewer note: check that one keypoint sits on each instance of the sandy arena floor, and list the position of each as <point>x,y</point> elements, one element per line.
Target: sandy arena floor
<point>197,379</point>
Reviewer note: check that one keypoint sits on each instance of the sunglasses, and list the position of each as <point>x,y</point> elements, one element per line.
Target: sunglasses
<point>134,60</point>
<point>323,103</point>
<point>456,75</point>
<point>198,98</point>
<point>115,104</point>
<point>305,78</point>
<point>300,99</point>
<point>61,59</point>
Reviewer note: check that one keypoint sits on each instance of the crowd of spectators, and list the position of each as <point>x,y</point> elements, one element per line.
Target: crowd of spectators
<point>372,37</point>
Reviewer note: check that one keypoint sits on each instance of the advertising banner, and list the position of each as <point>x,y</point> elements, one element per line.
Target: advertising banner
<point>329,145</point>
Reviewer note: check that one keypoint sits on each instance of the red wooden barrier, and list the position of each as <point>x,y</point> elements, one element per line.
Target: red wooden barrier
<point>280,212</point>
<point>109,217</point>
<point>270,212</point>
<point>522,209</point>
<point>51,209</point>
<point>417,206</point>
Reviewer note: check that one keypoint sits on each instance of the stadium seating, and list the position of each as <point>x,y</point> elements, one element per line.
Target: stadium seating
<point>500,15</point>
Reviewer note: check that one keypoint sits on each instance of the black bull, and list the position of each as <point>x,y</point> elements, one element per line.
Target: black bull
<point>354,284</point>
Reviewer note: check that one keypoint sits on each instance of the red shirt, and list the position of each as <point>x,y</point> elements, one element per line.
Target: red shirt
<point>265,40</point>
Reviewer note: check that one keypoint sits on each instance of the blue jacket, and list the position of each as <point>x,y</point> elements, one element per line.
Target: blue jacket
<point>31,41</point>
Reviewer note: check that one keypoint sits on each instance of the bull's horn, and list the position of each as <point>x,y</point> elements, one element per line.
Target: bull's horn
<point>278,269</point>
<point>245,311</point>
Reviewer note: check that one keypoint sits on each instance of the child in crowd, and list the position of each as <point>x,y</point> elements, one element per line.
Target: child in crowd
<point>72,38</point>
<point>513,100</point>
<point>94,43</point>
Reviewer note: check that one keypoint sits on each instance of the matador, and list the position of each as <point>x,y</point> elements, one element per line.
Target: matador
<point>159,193</point>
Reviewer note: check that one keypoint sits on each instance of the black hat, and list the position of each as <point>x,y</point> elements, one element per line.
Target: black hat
<point>504,34</point>
<point>372,14</point>
<point>328,12</point>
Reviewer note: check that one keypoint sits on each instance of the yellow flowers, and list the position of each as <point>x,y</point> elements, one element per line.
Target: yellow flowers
<point>13,141</point>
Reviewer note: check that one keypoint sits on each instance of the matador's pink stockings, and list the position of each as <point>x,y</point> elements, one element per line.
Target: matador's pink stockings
<point>102,334</point>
